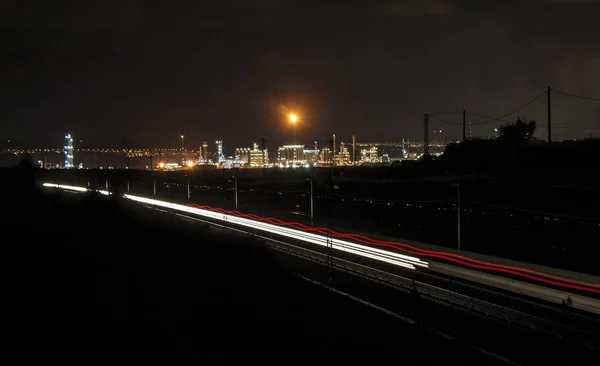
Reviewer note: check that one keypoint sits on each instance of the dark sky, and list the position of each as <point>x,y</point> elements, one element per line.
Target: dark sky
<point>141,73</point>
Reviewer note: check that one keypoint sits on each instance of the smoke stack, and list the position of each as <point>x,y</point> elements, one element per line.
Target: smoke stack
<point>353,148</point>
<point>333,146</point>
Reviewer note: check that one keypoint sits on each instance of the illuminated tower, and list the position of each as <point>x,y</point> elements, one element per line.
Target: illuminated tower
<point>68,151</point>
<point>333,150</point>
<point>220,156</point>
<point>343,157</point>
<point>205,152</point>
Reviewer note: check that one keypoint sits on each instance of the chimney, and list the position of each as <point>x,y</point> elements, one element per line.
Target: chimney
<point>333,146</point>
<point>353,148</point>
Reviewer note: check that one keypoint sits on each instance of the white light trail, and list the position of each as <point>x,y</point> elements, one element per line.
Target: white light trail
<point>317,239</point>
<point>69,188</point>
<point>75,188</point>
<point>348,247</point>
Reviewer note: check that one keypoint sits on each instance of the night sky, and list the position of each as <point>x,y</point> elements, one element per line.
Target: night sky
<point>131,73</point>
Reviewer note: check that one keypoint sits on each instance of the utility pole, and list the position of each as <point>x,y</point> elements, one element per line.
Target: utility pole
<point>464,126</point>
<point>151,166</point>
<point>188,187</point>
<point>154,183</point>
<point>549,117</point>
<point>190,180</point>
<point>169,187</point>
<point>312,198</point>
<point>458,210</point>
<point>426,134</point>
<point>236,191</point>
<point>329,239</point>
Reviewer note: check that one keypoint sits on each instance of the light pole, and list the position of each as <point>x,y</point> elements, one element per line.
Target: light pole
<point>188,181</point>
<point>294,121</point>
<point>458,210</point>
<point>235,187</point>
<point>188,187</point>
<point>312,203</point>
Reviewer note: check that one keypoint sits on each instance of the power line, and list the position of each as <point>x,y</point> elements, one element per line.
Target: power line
<point>444,113</point>
<point>512,112</point>
<point>487,117</point>
<point>379,200</point>
<point>444,121</point>
<point>575,95</point>
<point>536,212</point>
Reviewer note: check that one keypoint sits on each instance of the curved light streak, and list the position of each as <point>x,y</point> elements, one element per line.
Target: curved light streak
<point>386,256</point>
<point>455,258</point>
<point>68,188</point>
<point>255,221</point>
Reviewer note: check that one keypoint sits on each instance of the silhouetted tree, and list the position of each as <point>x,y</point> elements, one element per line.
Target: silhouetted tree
<point>26,162</point>
<point>25,171</point>
<point>517,132</point>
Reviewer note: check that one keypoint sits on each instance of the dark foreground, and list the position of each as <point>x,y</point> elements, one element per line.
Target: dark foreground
<point>97,279</point>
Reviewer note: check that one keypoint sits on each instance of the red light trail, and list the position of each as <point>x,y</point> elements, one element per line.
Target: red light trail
<point>455,258</point>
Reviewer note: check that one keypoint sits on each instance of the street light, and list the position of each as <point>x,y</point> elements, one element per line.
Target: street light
<point>234,177</point>
<point>458,209</point>
<point>294,120</point>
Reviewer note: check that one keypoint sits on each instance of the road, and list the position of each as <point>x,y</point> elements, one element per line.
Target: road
<point>583,293</point>
<point>344,249</point>
<point>462,289</point>
<point>416,280</point>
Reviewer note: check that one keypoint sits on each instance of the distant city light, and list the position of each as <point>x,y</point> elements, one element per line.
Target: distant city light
<point>293,118</point>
